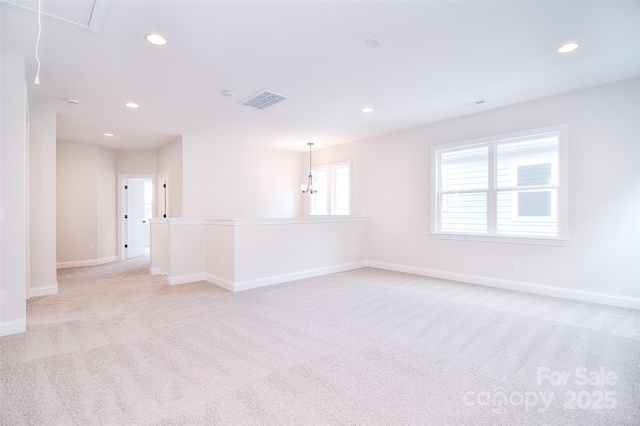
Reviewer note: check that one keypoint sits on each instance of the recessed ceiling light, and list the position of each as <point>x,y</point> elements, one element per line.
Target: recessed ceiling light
<point>132,105</point>
<point>567,47</point>
<point>367,110</point>
<point>156,39</point>
<point>373,42</point>
<point>108,134</point>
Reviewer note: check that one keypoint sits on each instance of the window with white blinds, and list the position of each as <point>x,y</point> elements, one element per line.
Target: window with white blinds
<point>508,186</point>
<point>333,183</point>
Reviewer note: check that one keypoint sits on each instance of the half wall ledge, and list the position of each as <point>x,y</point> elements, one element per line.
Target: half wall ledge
<point>239,254</point>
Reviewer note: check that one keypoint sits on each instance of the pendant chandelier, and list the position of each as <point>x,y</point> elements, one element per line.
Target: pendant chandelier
<point>309,186</point>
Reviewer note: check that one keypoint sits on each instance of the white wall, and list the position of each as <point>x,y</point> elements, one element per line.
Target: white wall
<point>106,213</point>
<point>160,248</point>
<point>141,161</point>
<point>42,200</point>
<point>87,200</point>
<point>13,193</point>
<point>170,164</point>
<point>391,186</point>
<point>220,252</point>
<point>280,249</point>
<point>76,201</point>
<point>235,181</point>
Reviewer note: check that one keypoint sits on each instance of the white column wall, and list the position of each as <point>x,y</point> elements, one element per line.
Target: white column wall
<point>186,252</point>
<point>13,194</point>
<point>76,204</point>
<point>106,212</point>
<point>160,246</point>
<point>220,252</point>
<point>42,200</point>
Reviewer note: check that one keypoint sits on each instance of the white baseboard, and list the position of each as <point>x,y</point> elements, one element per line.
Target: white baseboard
<point>262,282</point>
<point>219,281</point>
<point>184,279</point>
<point>43,291</point>
<point>545,290</point>
<point>107,260</point>
<point>309,273</point>
<point>90,262</point>
<point>13,327</point>
<point>155,271</point>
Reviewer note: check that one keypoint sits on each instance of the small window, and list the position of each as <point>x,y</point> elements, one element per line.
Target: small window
<point>333,183</point>
<point>533,204</point>
<point>504,186</point>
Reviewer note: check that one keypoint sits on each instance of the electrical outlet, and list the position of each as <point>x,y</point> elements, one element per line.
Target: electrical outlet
<point>90,249</point>
<point>2,302</point>
<point>514,265</point>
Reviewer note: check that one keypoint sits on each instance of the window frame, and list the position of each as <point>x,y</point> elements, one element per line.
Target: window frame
<point>492,190</point>
<point>515,216</point>
<point>330,190</point>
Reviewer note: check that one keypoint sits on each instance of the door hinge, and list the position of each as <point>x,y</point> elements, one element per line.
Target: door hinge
<point>126,216</point>
<point>126,187</point>
<point>164,216</point>
<point>126,246</point>
<point>164,185</point>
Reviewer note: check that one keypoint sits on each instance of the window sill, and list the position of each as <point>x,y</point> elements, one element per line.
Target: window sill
<point>560,242</point>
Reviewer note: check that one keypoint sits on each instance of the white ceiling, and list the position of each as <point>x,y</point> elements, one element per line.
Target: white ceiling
<point>435,57</point>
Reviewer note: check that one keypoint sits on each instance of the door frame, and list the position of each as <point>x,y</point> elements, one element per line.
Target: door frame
<point>121,204</point>
<point>162,210</point>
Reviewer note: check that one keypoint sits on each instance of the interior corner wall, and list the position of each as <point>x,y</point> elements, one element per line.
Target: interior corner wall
<point>226,180</point>
<point>391,180</point>
<point>76,202</point>
<point>170,161</point>
<point>106,220</point>
<point>13,193</point>
<point>42,199</point>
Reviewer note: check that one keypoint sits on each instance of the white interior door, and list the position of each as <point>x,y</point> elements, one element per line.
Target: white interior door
<point>134,218</point>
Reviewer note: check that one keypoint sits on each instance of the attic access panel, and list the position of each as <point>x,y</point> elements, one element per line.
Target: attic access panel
<point>86,13</point>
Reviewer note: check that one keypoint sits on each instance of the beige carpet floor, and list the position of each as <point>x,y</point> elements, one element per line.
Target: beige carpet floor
<point>366,347</point>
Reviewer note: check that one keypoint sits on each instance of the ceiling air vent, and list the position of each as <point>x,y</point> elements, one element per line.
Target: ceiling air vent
<point>264,99</point>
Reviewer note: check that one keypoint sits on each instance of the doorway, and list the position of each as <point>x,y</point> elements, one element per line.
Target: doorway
<point>136,202</point>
